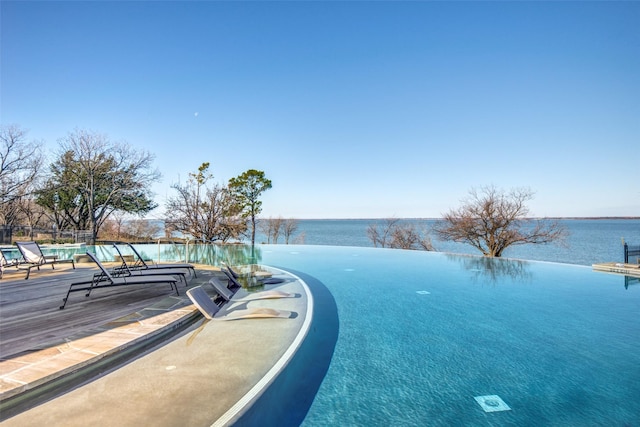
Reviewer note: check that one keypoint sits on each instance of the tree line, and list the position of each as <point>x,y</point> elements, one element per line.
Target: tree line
<point>214,212</point>
<point>93,179</point>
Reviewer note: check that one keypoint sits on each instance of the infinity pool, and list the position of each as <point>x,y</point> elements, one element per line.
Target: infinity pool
<point>437,339</point>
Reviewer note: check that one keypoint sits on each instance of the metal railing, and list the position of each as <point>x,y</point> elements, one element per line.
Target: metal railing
<point>22,232</point>
<point>631,250</point>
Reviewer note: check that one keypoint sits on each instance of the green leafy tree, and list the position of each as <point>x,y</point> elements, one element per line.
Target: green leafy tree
<point>93,177</point>
<point>491,220</point>
<point>247,188</point>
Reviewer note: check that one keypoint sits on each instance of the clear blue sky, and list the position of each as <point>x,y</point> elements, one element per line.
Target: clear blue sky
<point>352,109</point>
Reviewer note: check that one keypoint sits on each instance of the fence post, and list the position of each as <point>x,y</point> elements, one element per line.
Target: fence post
<point>626,253</point>
<point>5,235</point>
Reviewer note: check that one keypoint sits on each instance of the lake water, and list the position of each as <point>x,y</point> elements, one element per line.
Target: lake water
<point>590,241</point>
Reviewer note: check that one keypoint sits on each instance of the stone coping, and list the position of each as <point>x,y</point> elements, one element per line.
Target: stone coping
<point>25,372</point>
<point>618,267</point>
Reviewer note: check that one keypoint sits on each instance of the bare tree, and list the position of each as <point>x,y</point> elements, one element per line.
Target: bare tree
<point>205,212</point>
<point>111,230</point>
<point>263,225</point>
<point>381,237</point>
<point>277,228</point>
<point>272,227</point>
<point>32,214</point>
<point>169,228</point>
<point>120,226</point>
<point>398,235</point>
<point>118,218</point>
<point>406,236</point>
<point>289,227</point>
<point>491,220</point>
<point>299,240</point>
<point>144,229</point>
<point>20,162</point>
<point>10,213</point>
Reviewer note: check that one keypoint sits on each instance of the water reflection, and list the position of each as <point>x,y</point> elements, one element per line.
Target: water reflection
<point>196,253</point>
<point>631,280</point>
<point>201,253</point>
<point>239,254</point>
<point>492,270</point>
<point>66,251</point>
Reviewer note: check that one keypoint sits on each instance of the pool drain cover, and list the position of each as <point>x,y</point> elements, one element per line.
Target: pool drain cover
<point>423,292</point>
<point>492,403</point>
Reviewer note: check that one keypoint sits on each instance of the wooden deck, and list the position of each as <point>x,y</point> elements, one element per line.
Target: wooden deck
<point>30,317</point>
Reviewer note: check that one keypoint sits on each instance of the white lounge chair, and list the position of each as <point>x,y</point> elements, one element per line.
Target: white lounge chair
<point>33,257</point>
<point>5,263</point>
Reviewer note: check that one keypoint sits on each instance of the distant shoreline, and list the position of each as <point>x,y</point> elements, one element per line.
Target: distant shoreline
<point>595,217</point>
<point>435,219</point>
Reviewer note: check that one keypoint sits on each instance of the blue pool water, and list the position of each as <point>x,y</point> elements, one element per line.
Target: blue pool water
<point>422,334</point>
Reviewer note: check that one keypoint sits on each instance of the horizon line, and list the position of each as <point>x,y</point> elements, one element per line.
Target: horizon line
<point>621,217</point>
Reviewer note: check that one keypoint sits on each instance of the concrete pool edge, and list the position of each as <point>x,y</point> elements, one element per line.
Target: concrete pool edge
<point>242,405</point>
<point>81,353</point>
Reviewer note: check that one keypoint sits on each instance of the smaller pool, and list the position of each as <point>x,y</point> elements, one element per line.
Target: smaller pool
<point>436,339</point>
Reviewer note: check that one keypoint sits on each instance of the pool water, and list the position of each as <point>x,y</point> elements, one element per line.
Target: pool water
<point>436,339</point>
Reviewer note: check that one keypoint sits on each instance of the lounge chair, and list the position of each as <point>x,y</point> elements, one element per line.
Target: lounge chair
<point>127,270</point>
<point>235,285</point>
<point>33,257</point>
<point>104,279</point>
<point>226,294</point>
<point>4,263</point>
<point>231,270</point>
<point>209,309</point>
<point>140,264</point>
